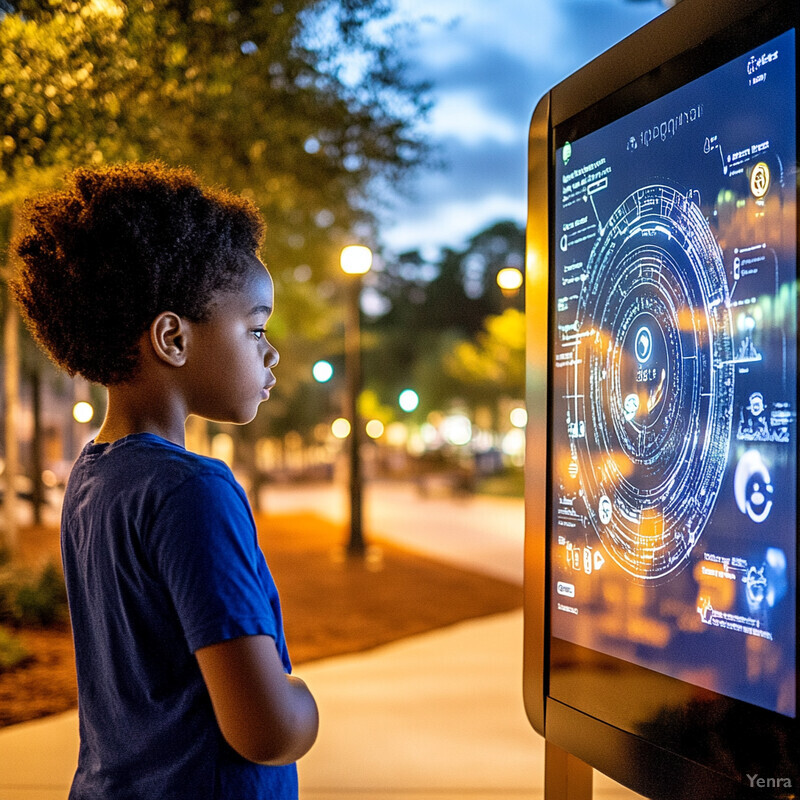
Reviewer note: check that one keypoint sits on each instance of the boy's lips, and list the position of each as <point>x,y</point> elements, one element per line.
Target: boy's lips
<point>267,386</point>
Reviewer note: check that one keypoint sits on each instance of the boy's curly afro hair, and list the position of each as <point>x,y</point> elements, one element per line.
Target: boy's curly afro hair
<point>102,258</point>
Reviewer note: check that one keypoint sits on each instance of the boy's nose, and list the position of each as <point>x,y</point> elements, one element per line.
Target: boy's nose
<point>272,358</point>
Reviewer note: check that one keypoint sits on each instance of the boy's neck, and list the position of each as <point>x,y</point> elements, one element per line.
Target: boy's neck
<point>108,434</point>
<point>129,413</point>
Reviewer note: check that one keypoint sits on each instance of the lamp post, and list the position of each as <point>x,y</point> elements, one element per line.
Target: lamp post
<point>355,261</point>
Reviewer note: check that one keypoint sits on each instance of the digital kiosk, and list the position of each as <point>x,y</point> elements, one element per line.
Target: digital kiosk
<point>661,529</point>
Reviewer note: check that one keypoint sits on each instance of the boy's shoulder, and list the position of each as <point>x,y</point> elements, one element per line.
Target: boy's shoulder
<point>147,460</point>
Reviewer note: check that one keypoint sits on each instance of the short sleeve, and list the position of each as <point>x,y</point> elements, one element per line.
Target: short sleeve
<point>206,551</point>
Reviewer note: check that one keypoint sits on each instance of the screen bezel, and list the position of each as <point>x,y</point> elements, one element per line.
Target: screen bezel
<point>683,44</point>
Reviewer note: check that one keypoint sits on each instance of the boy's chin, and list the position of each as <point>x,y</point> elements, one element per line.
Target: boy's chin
<point>246,418</point>
<point>237,417</point>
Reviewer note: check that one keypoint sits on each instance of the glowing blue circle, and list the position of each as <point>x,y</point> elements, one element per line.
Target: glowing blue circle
<point>322,371</point>
<point>408,400</point>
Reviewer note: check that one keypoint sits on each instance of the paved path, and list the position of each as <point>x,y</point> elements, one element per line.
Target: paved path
<point>473,532</point>
<point>433,717</point>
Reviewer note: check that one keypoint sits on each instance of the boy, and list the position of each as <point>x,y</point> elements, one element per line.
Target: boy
<point>138,278</point>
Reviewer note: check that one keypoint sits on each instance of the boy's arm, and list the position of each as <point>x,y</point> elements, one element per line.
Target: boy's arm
<point>264,714</point>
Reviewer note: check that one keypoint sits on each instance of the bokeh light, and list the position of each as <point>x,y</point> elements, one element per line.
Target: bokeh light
<point>408,400</point>
<point>375,429</point>
<point>519,417</point>
<point>397,434</point>
<point>457,429</point>
<point>340,428</point>
<point>83,411</point>
<point>322,371</point>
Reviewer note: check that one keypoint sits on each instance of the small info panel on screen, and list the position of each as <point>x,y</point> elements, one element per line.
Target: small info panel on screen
<point>674,401</point>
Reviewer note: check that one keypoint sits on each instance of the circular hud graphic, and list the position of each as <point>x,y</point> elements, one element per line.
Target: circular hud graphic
<point>653,383</point>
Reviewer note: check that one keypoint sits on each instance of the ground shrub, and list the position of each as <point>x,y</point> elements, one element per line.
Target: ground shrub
<point>12,651</point>
<point>33,600</point>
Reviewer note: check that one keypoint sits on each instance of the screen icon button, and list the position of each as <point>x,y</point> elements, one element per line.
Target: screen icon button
<point>565,589</point>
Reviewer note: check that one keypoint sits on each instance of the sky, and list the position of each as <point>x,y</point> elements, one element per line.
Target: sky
<point>490,61</point>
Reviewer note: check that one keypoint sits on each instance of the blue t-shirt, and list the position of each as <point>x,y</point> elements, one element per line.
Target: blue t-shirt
<point>161,558</point>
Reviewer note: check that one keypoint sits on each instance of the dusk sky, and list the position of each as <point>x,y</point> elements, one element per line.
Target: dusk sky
<point>490,62</point>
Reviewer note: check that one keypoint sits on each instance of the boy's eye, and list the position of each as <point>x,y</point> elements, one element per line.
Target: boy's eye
<point>259,333</point>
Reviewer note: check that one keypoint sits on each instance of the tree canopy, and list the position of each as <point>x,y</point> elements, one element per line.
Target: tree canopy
<point>302,105</point>
<point>434,310</point>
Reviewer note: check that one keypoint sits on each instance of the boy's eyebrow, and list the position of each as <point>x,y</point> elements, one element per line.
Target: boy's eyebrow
<point>260,310</point>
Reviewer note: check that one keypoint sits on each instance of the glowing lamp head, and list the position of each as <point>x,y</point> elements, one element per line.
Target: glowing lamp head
<point>356,259</point>
<point>509,279</point>
<point>82,411</point>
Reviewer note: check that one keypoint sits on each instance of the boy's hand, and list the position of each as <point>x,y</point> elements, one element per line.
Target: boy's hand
<point>264,714</point>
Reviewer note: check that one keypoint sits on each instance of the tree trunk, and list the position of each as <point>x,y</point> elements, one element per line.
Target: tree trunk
<point>36,444</point>
<point>12,404</point>
<point>11,367</point>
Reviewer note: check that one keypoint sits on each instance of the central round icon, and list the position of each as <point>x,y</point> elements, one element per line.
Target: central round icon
<point>644,344</point>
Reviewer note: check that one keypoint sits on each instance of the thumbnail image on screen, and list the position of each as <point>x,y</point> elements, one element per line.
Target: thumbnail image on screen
<point>674,403</point>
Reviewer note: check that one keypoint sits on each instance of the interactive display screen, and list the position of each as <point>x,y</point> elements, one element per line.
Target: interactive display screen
<point>673,422</point>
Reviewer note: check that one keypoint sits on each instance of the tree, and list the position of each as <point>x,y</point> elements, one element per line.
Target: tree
<point>493,364</point>
<point>263,97</point>
<point>255,95</point>
<point>431,309</point>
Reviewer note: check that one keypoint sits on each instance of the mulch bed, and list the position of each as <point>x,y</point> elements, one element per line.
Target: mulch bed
<point>45,684</point>
<point>332,605</point>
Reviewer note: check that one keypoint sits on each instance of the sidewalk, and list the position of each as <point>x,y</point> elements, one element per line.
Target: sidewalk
<point>437,716</point>
<point>474,532</point>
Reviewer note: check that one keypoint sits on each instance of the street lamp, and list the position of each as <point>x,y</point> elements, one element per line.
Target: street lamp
<point>509,279</point>
<point>355,260</point>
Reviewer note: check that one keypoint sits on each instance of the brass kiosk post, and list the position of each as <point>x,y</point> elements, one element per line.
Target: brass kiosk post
<point>566,777</point>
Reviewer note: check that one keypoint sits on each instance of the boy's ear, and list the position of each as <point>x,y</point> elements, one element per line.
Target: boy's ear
<point>169,337</point>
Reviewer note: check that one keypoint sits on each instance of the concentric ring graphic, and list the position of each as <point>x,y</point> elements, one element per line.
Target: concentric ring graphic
<point>650,396</point>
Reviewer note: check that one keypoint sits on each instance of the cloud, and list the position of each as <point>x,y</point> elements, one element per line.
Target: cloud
<point>482,67</point>
<point>483,185</point>
<point>484,169</point>
<point>490,62</point>
<point>461,116</point>
<point>596,25</point>
<point>461,219</point>
<point>502,83</point>
<point>523,28</point>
